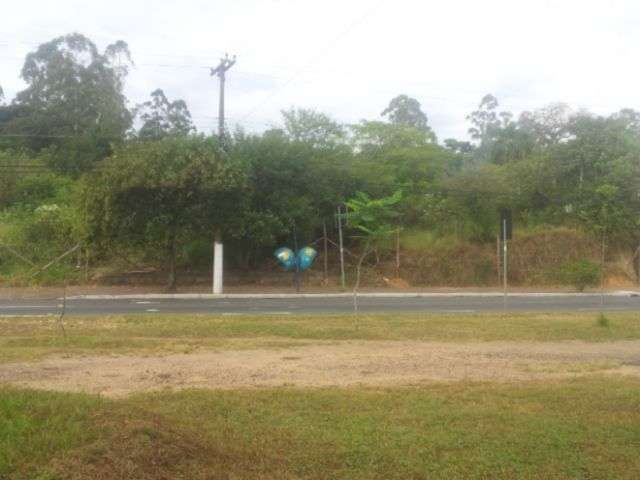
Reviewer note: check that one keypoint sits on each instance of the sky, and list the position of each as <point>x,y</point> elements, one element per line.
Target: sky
<point>349,58</point>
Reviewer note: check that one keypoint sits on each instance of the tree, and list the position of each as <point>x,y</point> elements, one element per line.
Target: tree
<point>605,212</point>
<point>307,125</point>
<point>73,108</point>
<point>548,125</point>
<point>629,119</point>
<point>458,146</point>
<point>500,139</point>
<point>161,118</point>
<point>406,111</point>
<point>372,220</point>
<point>291,183</point>
<point>485,119</point>
<point>377,136</point>
<point>155,195</point>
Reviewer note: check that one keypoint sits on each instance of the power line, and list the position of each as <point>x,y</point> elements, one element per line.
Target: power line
<point>329,45</point>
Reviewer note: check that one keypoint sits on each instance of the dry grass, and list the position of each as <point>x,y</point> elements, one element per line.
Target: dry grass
<point>30,339</point>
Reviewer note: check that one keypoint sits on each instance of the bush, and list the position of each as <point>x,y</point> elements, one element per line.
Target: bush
<point>603,321</point>
<point>581,274</point>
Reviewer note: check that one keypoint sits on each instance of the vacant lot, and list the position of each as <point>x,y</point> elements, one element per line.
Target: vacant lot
<point>479,396</point>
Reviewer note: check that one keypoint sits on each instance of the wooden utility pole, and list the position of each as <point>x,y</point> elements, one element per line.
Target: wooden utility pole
<point>220,71</point>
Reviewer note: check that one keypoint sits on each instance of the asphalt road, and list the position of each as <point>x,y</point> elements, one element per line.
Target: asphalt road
<point>320,305</point>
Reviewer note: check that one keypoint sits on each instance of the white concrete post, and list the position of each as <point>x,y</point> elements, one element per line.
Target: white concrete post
<point>217,264</point>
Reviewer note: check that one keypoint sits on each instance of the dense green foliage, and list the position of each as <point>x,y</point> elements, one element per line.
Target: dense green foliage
<point>76,166</point>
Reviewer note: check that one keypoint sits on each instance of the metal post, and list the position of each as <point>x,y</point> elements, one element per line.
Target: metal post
<point>498,255</point>
<point>342,279</point>
<point>504,263</point>
<point>295,252</point>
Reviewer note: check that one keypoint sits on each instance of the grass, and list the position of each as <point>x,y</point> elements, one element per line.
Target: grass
<point>564,429</point>
<point>33,338</point>
<point>587,428</point>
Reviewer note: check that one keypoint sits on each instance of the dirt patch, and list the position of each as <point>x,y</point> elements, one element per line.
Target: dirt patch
<point>339,364</point>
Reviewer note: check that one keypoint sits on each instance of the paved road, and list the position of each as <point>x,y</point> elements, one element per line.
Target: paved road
<point>318,305</point>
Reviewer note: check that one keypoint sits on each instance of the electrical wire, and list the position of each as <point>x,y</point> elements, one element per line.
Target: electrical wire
<point>319,55</point>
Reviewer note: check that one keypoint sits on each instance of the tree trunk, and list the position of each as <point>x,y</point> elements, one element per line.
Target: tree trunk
<point>398,253</point>
<point>636,264</point>
<point>602,273</point>
<point>244,258</point>
<point>603,253</point>
<point>325,279</point>
<point>86,265</point>
<point>172,253</point>
<point>365,252</point>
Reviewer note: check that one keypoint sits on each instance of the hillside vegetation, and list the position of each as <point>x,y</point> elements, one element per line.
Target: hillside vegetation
<point>121,190</point>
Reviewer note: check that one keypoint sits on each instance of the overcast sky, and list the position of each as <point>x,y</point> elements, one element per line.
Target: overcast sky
<point>349,58</point>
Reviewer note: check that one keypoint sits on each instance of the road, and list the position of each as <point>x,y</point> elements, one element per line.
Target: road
<point>234,305</point>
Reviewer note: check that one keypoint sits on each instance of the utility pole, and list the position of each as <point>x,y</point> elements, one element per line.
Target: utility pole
<point>225,64</point>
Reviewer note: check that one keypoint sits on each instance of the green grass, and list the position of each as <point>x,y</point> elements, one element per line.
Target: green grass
<point>24,339</point>
<point>587,428</point>
<point>581,428</point>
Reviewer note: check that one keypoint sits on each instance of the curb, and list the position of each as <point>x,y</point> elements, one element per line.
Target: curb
<point>231,296</point>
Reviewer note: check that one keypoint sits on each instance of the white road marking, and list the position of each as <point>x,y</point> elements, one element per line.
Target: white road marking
<point>230,314</point>
<point>145,303</point>
<point>16,307</point>
<point>28,316</point>
<point>152,310</point>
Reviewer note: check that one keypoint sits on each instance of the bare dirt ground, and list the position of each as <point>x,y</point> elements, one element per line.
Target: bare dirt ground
<point>374,363</point>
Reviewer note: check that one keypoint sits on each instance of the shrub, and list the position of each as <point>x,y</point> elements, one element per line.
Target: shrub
<point>581,274</point>
<point>603,321</point>
<point>34,190</point>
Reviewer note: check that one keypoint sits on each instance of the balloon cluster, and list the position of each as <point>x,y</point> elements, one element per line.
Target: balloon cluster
<point>289,260</point>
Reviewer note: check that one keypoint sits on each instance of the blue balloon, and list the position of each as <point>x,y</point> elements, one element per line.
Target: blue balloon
<point>286,258</point>
<point>306,256</point>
